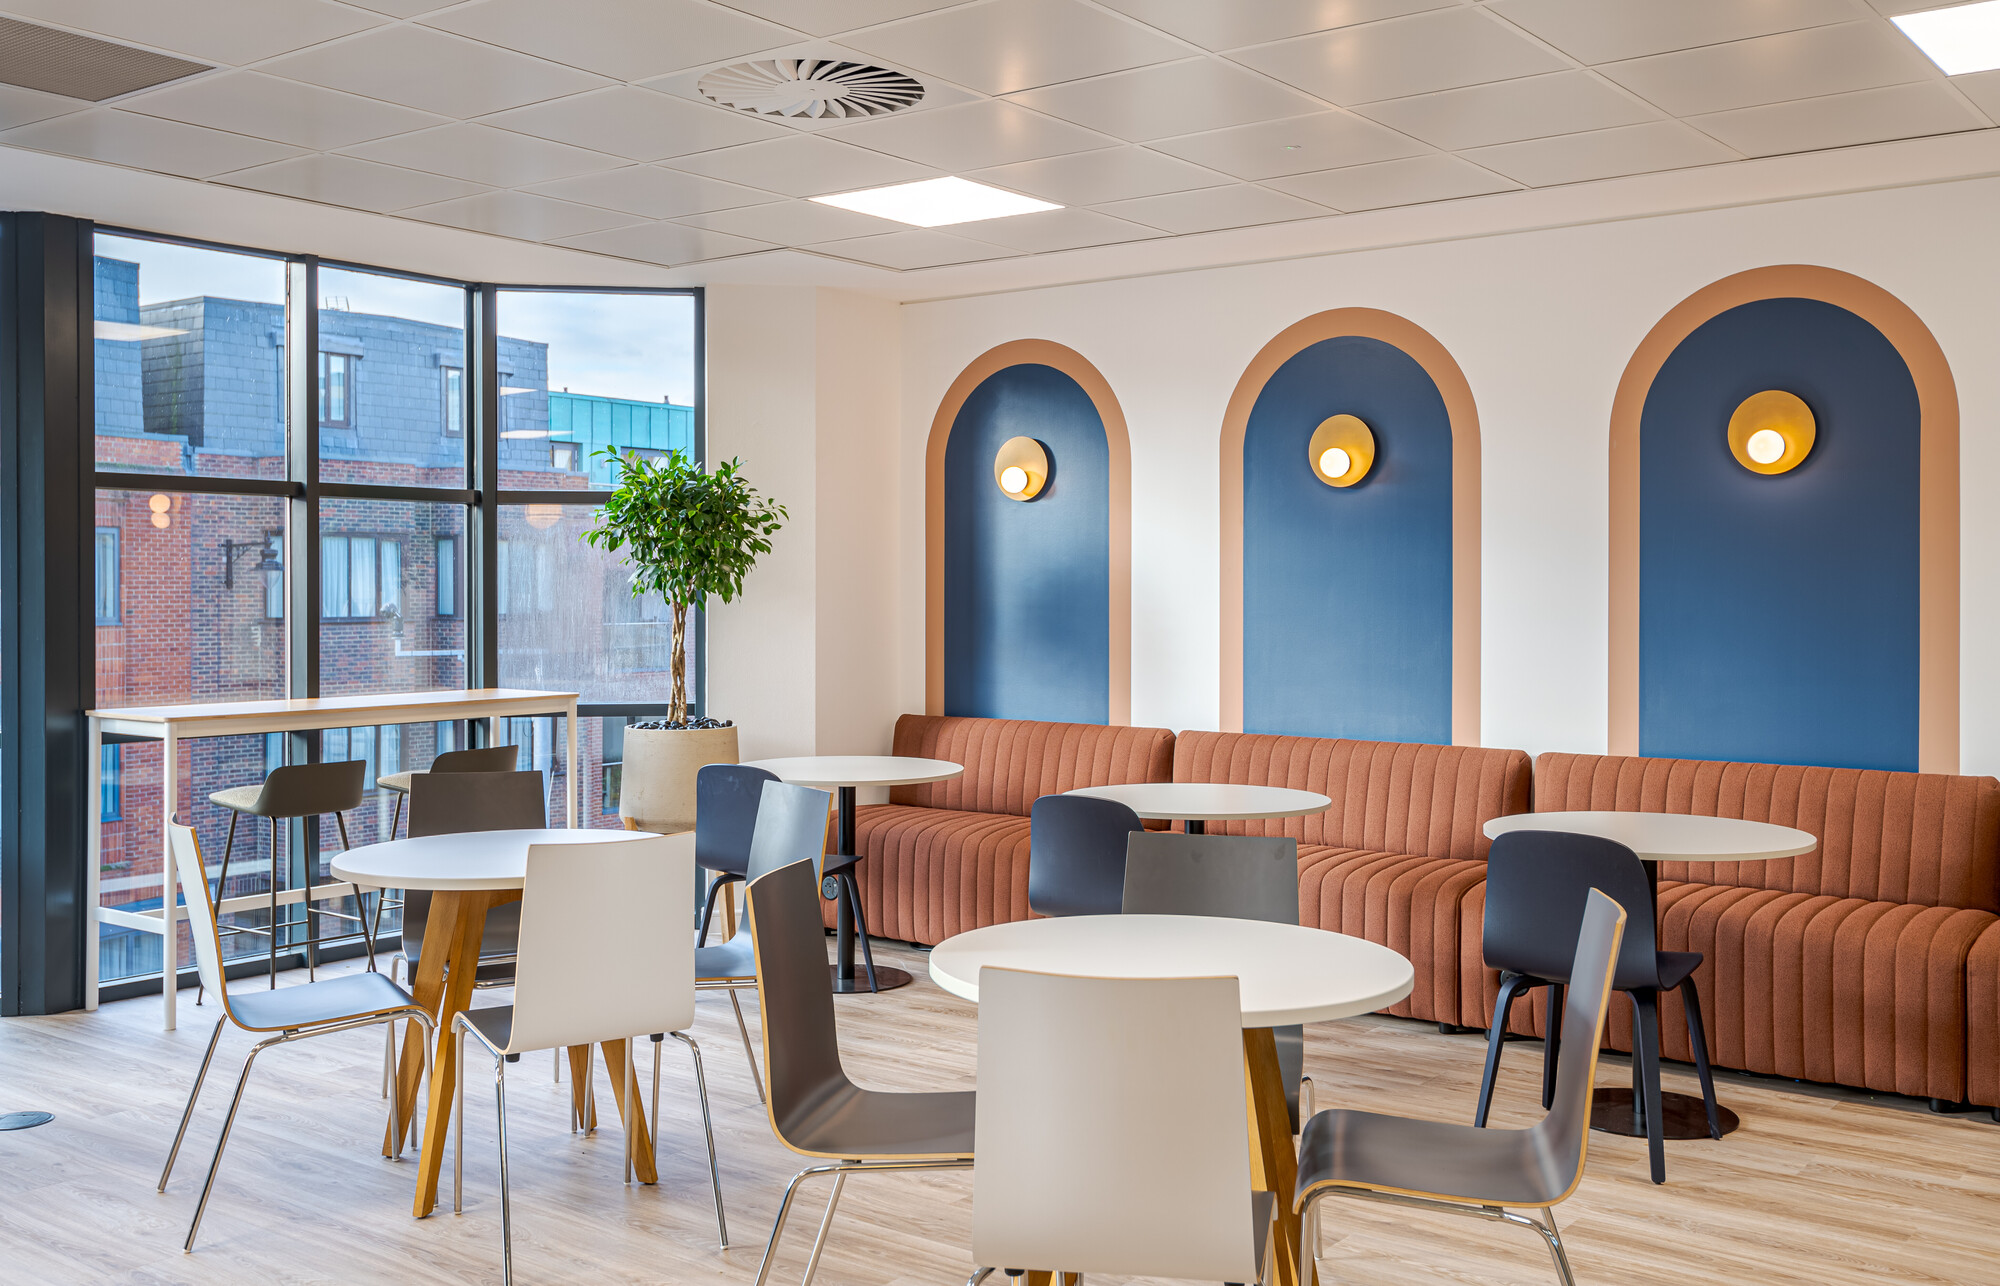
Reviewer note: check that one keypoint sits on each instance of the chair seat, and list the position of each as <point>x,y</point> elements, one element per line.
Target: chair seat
<point>241,799</point>
<point>1453,1162</point>
<point>731,961</point>
<point>495,1023</point>
<point>396,781</point>
<point>314,1004</point>
<point>1675,966</point>
<point>858,1124</point>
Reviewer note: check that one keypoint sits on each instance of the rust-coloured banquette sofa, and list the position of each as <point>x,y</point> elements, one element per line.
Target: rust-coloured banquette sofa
<point>1853,964</point>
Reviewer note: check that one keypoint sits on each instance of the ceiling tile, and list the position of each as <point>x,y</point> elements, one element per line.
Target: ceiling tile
<point>1051,230</point>
<point>288,111</point>
<point>916,248</point>
<point>1092,178</point>
<point>433,71</point>
<point>1771,69</point>
<point>1443,49</point>
<point>818,18</point>
<point>803,165</point>
<point>402,8</point>
<point>1599,31</point>
<point>1602,154</point>
<point>482,154</point>
<point>1843,120</point>
<point>20,106</point>
<point>636,123</point>
<point>1003,46</point>
<point>651,192</point>
<point>1212,209</point>
<point>1406,182</point>
<point>1296,146</point>
<point>1214,25</point>
<point>220,31</point>
<point>971,137</point>
<point>145,143</point>
<point>343,180</point>
<point>1983,88</point>
<point>794,223</point>
<point>623,39</point>
<point>665,243</point>
<point>1172,98</point>
<point>519,215</point>
<point>1508,110</point>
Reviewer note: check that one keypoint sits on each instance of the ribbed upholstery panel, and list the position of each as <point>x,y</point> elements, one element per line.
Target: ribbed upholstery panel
<point>1982,1028</point>
<point>933,872</point>
<point>1010,763</point>
<point>1388,797</point>
<point>1921,838</point>
<point>1407,903</point>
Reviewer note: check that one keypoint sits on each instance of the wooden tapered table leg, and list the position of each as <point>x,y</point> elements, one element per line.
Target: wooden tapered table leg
<point>427,989</point>
<point>582,1106</point>
<point>633,1114</point>
<point>467,921</point>
<point>1274,1166</point>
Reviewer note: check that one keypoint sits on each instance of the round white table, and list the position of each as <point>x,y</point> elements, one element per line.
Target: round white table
<point>469,874</point>
<point>1285,973</point>
<point>1199,802</point>
<point>844,774</point>
<point>1656,838</point>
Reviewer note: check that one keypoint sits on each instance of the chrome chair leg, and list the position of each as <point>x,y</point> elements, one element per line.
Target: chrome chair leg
<point>388,1055</point>
<point>557,1051</point>
<point>630,1100</point>
<point>222,1142</point>
<point>978,1275</point>
<point>825,1222</point>
<point>589,1121</point>
<point>778,1225</point>
<point>707,1127</point>
<point>188,1113</point>
<point>458,1130</point>
<point>749,1051</point>
<point>506,1208</point>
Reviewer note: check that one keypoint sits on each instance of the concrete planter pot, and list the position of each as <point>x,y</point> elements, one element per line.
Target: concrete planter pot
<point>656,787</point>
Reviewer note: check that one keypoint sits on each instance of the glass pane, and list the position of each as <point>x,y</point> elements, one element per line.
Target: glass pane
<point>541,742</point>
<point>190,360</point>
<point>392,382</point>
<point>189,578</point>
<point>580,372</point>
<point>568,622</point>
<point>387,635</point>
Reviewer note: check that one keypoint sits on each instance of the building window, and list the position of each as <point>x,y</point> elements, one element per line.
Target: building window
<point>107,576</point>
<point>111,786</point>
<point>447,576</point>
<point>452,379</point>
<point>274,577</point>
<point>336,390</point>
<point>274,752</point>
<point>562,457</point>
<point>379,749</point>
<point>360,577</point>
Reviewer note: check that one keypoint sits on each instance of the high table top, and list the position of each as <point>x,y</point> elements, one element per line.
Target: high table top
<point>1209,801</point>
<point>1286,973</point>
<point>472,860</point>
<point>373,703</point>
<point>1670,837</point>
<point>829,771</point>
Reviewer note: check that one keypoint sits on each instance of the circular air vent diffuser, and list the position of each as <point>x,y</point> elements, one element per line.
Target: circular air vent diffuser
<point>811,87</point>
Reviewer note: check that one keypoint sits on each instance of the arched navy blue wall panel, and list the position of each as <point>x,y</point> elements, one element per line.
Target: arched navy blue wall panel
<point>1347,606</point>
<point>1027,586</point>
<point>1778,615</point>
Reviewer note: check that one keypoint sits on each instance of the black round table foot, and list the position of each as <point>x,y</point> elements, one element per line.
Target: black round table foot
<point>887,978</point>
<point>1682,1116</point>
<point>24,1120</point>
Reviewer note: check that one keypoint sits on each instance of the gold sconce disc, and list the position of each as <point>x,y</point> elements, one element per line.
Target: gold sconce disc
<point>1778,413</point>
<point>1020,468</point>
<point>1347,435</point>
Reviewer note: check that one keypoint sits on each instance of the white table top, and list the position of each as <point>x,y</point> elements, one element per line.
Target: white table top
<point>474,860</point>
<point>1209,801</point>
<point>1670,837</point>
<point>1287,973</point>
<point>294,713</point>
<point>829,771</point>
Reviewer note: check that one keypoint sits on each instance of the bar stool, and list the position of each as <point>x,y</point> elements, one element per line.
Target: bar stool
<point>295,790</point>
<point>484,759</point>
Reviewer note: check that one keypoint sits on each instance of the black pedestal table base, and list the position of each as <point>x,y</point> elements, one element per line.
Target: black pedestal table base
<point>1682,1116</point>
<point>887,978</point>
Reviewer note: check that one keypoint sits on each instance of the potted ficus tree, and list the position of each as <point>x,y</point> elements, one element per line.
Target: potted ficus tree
<point>688,536</point>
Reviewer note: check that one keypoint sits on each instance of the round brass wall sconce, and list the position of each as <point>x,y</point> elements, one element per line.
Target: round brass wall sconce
<point>1021,468</point>
<point>1342,451</point>
<point>1771,432</point>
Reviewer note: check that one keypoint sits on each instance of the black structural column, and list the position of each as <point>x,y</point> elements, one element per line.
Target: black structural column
<point>47,632</point>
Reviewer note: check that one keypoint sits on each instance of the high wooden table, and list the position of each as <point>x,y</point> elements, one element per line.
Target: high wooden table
<point>1197,803</point>
<point>1286,973</point>
<point>172,724</point>
<point>470,874</point>
<point>1656,838</point>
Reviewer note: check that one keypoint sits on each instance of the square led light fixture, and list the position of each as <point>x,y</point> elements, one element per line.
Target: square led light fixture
<point>933,203</point>
<point>1965,38</point>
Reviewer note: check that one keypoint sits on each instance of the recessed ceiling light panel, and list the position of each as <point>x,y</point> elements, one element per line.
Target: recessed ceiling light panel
<point>63,62</point>
<point>1962,39</point>
<point>811,88</point>
<point>933,203</point>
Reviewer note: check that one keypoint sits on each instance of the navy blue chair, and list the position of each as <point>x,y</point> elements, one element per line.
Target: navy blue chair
<point>725,815</point>
<point>1076,855</point>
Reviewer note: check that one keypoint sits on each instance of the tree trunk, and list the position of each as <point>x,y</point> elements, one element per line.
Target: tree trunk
<point>678,712</point>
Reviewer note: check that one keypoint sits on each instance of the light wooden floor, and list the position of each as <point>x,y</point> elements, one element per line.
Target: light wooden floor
<point>1817,1187</point>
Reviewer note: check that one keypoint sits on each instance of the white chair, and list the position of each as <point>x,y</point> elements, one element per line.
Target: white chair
<point>603,955</point>
<point>1128,1154</point>
<point>293,1013</point>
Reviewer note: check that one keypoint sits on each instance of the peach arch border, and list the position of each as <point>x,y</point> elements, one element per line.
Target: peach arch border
<point>1437,362</point>
<point>1938,536</point>
<point>1118,444</point>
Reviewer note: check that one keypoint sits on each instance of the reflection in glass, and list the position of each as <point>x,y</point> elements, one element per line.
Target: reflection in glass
<point>392,379</point>
<point>386,569</point>
<point>568,621</point>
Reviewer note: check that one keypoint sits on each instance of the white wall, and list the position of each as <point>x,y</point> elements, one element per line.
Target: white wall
<point>1543,324</point>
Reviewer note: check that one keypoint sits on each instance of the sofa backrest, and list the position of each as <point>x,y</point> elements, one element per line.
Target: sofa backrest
<point>1389,797</point>
<point>1010,763</point>
<point>1923,838</point>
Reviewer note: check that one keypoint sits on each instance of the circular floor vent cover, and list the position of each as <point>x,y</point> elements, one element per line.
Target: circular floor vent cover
<point>811,87</point>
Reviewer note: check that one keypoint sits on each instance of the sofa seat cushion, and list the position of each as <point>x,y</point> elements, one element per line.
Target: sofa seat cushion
<point>932,872</point>
<point>1405,902</point>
